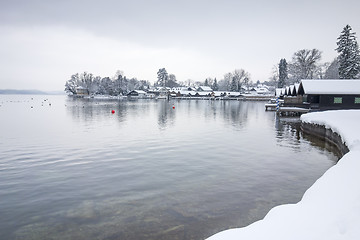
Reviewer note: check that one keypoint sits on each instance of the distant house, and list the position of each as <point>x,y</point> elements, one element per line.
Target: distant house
<point>81,91</point>
<point>262,90</point>
<point>226,94</point>
<point>203,94</point>
<point>137,94</point>
<point>331,94</point>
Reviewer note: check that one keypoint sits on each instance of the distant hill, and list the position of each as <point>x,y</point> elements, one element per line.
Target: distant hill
<point>30,92</point>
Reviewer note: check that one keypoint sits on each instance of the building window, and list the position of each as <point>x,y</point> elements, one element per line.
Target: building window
<point>337,100</point>
<point>357,100</point>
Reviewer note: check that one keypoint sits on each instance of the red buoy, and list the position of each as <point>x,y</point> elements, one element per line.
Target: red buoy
<point>173,107</point>
<point>113,111</point>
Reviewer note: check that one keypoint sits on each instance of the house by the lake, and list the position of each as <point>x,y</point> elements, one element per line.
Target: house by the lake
<point>330,94</point>
<point>81,91</point>
<point>137,94</point>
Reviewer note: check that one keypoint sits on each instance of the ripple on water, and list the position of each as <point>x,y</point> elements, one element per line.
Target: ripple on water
<point>148,171</point>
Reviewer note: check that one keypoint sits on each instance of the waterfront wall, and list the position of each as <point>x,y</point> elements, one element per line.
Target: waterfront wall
<point>325,134</point>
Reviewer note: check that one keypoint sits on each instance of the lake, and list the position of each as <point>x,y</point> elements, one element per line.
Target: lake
<point>154,169</point>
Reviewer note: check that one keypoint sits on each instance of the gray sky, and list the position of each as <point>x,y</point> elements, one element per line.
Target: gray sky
<point>42,43</point>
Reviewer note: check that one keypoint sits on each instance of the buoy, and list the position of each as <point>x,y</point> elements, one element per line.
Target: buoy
<point>173,107</point>
<point>113,111</point>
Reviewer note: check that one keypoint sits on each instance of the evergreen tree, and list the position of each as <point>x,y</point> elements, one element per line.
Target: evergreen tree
<point>349,55</point>
<point>332,71</point>
<point>206,83</point>
<point>283,73</point>
<point>162,77</point>
<point>215,85</point>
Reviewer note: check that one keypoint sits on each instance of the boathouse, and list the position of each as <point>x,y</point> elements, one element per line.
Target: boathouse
<point>137,94</point>
<point>330,94</point>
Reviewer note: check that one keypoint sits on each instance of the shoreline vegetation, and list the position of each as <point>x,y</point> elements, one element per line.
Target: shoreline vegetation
<point>329,209</point>
<point>244,97</point>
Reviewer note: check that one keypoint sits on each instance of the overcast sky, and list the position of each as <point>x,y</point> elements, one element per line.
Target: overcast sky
<point>42,43</point>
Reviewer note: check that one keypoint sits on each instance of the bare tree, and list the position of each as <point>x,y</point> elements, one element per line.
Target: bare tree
<point>304,64</point>
<point>240,76</point>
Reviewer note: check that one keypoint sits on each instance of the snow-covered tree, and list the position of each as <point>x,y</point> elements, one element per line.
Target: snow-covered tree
<point>215,85</point>
<point>233,81</point>
<point>331,70</point>
<point>72,84</point>
<point>349,55</point>
<point>206,83</point>
<point>162,76</point>
<point>87,81</point>
<point>283,73</point>
<point>274,78</point>
<point>225,83</point>
<point>234,85</point>
<point>119,87</point>
<point>172,81</point>
<point>240,75</point>
<point>107,86</point>
<point>304,65</point>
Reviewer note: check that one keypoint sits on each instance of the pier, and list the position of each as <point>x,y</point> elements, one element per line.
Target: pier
<point>292,111</point>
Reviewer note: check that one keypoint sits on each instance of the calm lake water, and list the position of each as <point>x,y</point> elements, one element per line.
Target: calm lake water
<point>70,169</point>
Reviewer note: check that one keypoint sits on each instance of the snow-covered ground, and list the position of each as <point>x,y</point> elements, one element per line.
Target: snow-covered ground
<point>330,208</point>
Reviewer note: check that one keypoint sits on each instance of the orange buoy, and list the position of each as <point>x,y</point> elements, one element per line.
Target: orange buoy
<point>113,111</point>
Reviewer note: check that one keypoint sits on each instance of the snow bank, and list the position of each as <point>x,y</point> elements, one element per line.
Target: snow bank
<point>330,209</point>
<point>343,122</point>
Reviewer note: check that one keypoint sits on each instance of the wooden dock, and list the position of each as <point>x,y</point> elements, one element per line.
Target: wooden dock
<point>270,106</point>
<point>292,111</point>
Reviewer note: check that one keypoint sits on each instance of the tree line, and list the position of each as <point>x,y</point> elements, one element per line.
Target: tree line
<point>118,85</point>
<point>305,63</point>
<point>121,85</point>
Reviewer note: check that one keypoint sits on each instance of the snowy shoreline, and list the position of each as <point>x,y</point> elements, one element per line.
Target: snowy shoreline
<point>330,208</point>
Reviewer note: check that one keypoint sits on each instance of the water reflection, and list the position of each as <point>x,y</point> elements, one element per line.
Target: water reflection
<point>166,113</point>
<point>90,110</point>
<point>182,173</point>
<point>235,113</point>
<point>289,127</point>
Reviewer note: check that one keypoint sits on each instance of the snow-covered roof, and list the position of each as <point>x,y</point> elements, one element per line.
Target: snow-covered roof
<point>203,93</point>
<point>297,87</point>
<point>140,91</point>
<point>283,90</point>
<point>287,90</point>
<point>80,87</point>
<point>186,92</point>
<point>218,93</point>
<point>278,92</point>
<point>205,88</point>
<point>232,94</point>
<point>261,90</point>
<point>291,89</point>
<point>341,86</point>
